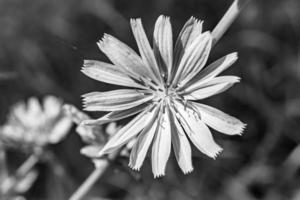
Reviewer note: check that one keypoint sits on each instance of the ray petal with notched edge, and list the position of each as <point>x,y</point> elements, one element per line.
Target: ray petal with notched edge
<point>211,88</point>
<point>108,73</point>
<point>219,120</point>
<point>144,140</point>
<point>126,133</point>
<point>197,131</point>
<point>191,30</point>
<point>116,115</point>
<point>145,48</point>
<point>194,68</point>
<point>123,56</point>
<point>163,43</point>
<point>112,96</point>
<point>161,147</point>
<point>211,82</point>
<point>213,69</point>
<point>118,105</point>
<point>195,56</point>
<point>181,145</point>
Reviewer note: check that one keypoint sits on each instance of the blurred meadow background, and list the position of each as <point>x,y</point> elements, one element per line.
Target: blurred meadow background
<point>42,48</point>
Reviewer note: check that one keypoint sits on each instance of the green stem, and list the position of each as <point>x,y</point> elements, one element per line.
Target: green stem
<point>228,19</point>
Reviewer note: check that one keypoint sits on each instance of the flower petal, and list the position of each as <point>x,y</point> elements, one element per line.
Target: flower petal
<point>108,73</point>
<point>145,48</point>
<point>110,101</point>
<point>211,82</point>
<point>121,95</point>
<point>127,132</point>
<point>163,43</point>
<point>60,130</point>
<point>194,59</point>
<point>141,146</point>
<point>213,69</point>
<point>91,150</point>
<point>197,131</point>
<point>52,106</point>
<point>181,146</point>
<point>161,145</point>
<point>33,112</point>
<point>123,56</point>
<point>191,30</point>
<point>210,88</point>
<point>208,91</point>
<point>117,115</point>
<point>219,120</point>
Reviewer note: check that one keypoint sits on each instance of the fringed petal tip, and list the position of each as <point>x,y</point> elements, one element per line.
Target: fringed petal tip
<point>163,17</point>
<point>133,21</point>
<point>160,175</point>
<point>196,20</point>
<point>241,130</point>
<point>104,39</point>
<point>134,167</point>
<point>188,171</point>
<point>216,153</point>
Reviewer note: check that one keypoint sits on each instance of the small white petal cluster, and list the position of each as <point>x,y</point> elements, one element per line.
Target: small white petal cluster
<point>33,124</point>
<point>164,84</point>
<point>93,136</point>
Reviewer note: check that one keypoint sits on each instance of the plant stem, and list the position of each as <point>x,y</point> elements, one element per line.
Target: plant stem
<point>90,181</point>
<point>3,166</point>
<point>27,165</point>
<point>10,182</point>
<point>228,19</point>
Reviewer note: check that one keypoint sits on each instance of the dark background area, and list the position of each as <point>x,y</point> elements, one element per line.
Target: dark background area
<point>42,48</point>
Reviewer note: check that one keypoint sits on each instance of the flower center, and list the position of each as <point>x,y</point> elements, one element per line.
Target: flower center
<point>168,93</point>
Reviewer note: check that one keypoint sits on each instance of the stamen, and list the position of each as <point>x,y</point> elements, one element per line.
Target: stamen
<point>150,83</point>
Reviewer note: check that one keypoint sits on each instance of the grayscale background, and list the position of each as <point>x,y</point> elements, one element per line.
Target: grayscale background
<point>42,48</point>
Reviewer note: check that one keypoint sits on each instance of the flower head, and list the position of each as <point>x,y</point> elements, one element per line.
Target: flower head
<point>165,84</point>
<point>32,125</point>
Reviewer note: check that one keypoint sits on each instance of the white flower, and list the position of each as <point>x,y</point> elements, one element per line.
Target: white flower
<point>34,125</point>
<point>164,85</point>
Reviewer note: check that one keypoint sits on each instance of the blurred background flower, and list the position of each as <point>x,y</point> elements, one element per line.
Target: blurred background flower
<point>43,44</point>
<point>32,126</point>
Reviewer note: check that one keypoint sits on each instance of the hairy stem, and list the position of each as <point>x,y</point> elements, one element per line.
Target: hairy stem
<point>228,19</point>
